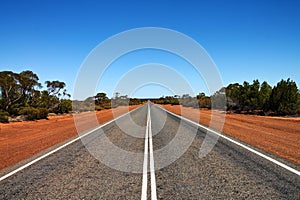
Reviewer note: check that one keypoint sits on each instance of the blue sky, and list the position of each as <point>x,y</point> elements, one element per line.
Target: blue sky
<point>246,39</point>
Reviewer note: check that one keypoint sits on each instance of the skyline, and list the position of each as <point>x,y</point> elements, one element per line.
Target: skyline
<point>247,40</point>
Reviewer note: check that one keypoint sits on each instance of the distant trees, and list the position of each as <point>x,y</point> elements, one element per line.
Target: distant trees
<point>100,102</point>
<point>20,95</point>
<point>259,98</point>
<point>173,100</point>
<point>218,100</point>
<point>124,100</point>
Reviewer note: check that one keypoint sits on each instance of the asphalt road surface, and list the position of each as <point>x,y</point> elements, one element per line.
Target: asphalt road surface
<point>91,169</point>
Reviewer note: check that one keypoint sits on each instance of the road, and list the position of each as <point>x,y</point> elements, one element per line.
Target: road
<point>86,169</point>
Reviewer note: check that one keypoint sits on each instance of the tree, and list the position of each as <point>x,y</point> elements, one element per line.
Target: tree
<point>52,97</point>
<point>284,97</point>
<point>17,89</point>
<point>65,106</point>
<point>55,87</point>
<point>102,101</point>
<point>100,97</point>
<point>28,84</point>
<point>9,89</point>
<point>264,96</point>
<point>233,92</point>
<point>203,100</point>
<point>253,95</point>
<point>243,97</point>
<point>218,100</point>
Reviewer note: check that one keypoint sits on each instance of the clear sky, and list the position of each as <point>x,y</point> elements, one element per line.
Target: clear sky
<point>247,39</point>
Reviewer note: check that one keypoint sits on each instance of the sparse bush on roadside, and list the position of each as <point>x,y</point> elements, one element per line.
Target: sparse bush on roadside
<point>42,113</point>
<point>30,113</point>
<point>107,106</point>
<point>34,113</point>
<point>66,106</point>
<point>4,116</point>
<point>98,108</point>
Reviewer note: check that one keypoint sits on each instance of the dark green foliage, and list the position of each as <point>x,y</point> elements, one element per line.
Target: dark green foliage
<point>4,116</point>
<point>65,105</point>
<point>284,98</point>
<point>34,113</point>
<point>264,96</point>
<point>42,113</point>
<point>19,94</point>
<point>255,98</point>
<point>135,101</point>
<point>17,89</point>
<point>203,101</point>
<point>102,101</point>
<point>167,100</point>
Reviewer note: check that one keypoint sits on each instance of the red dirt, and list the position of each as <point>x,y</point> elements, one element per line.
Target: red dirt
<point>21,140</point>
<point>277,135</point>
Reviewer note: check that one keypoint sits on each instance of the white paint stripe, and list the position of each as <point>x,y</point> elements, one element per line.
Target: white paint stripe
<point>237,143</point>
<point>152,169</point>
<point>145,164</point>
<point>61,147</point>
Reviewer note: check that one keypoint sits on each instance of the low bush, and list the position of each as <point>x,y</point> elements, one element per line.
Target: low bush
<point>30,113</point>
<point>42,113</point>
<point>4,116</point>
<point>34,113</point>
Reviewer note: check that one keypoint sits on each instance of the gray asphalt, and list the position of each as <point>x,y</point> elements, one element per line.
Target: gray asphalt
<point>227,172</point>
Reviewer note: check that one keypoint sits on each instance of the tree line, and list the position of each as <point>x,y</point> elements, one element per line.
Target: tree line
<point>101,101</point>
<point>21,94</point>
<point>255,98</point>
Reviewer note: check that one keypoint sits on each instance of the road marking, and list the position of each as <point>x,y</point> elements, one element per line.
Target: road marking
<point>237,143</point>
<point>145,165</point>
<point>62,146</point>
<point>148,138</point>
<point>152,169</point>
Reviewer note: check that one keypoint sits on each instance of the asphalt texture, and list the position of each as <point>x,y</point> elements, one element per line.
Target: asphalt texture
<point>92,169</point>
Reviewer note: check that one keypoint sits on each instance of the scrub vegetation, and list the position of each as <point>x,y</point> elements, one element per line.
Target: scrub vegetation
<point>22,97</point>
<point>256,98</point>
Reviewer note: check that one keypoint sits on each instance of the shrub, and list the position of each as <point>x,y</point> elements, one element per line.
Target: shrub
<point>65,105</point>
<point>30,113</point>
<point>98,108</point>
<point>4,116</point>
<point>34,113</point>
<point>42,113</point>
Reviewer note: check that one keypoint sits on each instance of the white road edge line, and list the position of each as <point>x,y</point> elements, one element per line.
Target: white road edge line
<point>152,169</point>
<point>237,143</point>
<point>61,147</point>
<point>145,164</point>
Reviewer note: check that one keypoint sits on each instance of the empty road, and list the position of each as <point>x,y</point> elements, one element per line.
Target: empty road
<point>146,139</point>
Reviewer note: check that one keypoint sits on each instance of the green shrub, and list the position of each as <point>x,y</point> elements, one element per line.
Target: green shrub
<point>30,113</point>
<point>34,113</point>
<point>65,105</point>
<point>4,116</point>
<point>42,113</point>
<point>98,108</point>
